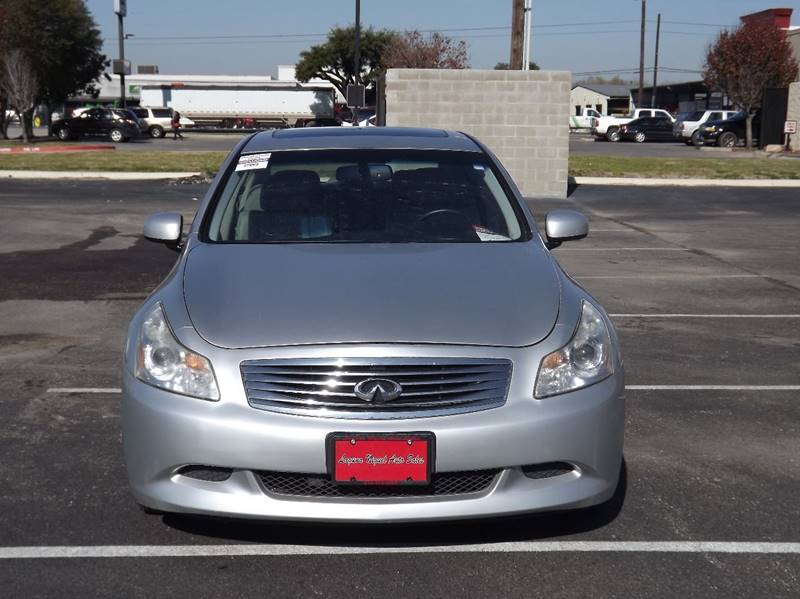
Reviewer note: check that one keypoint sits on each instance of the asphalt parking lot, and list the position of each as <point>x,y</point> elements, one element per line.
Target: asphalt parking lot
<point>704,288</point>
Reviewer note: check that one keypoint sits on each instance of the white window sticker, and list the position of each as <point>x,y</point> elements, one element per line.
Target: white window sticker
<point>249,162</point>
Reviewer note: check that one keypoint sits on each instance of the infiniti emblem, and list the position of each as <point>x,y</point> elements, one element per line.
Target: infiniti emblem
<point>378,390</point>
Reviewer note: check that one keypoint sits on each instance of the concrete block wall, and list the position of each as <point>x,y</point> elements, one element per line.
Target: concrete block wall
<point>521,116</point>
<point>793,112</point>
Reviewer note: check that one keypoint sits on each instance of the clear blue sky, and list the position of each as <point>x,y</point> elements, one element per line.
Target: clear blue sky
<point>575,35</point>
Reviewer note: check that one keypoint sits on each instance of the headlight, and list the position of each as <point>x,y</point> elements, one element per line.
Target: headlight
<point>163,362</point>
<point>585,360</point>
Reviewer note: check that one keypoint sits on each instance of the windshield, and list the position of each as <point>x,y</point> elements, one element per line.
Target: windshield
<point>696,116</point>
<point>351,196</point>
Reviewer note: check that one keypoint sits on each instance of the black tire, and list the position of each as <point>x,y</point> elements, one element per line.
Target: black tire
<point>116,135</point>
<point>697,141</point>
<point>156,131</point>
<point>640,137</point>
<point>727,140</point>
<point>612,134</point>
<point>63,134</point>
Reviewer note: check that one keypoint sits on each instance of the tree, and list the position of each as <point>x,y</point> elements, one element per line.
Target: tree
<point>744,62</point>
<point>62,43</point>
<point>599,80</point>
<point>503,66</point>
<point>412,50</point>
<point>20,84</point>
<point>334,60</point>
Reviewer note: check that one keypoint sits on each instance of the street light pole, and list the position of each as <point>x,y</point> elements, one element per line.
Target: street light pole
<point>640,99</point>
<point>526,49</point>
<point>655,64</point>
<point>122,58</point>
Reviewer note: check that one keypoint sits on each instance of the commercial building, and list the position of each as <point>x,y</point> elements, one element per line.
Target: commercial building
<point>605,98</point>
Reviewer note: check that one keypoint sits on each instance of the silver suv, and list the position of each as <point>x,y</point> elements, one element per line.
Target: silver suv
<point>687,128</point>
<point>159,120</point>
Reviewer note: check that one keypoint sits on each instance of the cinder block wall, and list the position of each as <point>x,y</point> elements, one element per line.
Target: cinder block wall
<point>521,116</point>
<point>793,112</point>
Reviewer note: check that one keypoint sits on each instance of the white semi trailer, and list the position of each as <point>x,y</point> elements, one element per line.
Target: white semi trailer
<point>255,106</point>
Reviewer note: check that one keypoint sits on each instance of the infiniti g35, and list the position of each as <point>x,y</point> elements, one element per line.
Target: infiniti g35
<point>365,324</point>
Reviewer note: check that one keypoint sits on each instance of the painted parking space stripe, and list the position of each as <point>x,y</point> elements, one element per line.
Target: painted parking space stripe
<point>84,390</point>
<point>674,315</point>
<point>712,387</point>
<point>134,551</point>
<point>625,249</point>
<point>676,276</point>
<point>115,390</point>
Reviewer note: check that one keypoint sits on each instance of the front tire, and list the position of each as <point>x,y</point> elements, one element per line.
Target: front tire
<point>727,140</point>
<point>116,136</point>
<point>63,134</point>
<point>156,132</point>
<point>613,134</point>
<point>697,141</point>
<point>639,138</point>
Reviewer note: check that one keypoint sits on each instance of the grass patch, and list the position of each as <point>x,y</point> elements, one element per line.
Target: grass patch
<point>684,168</point>
<point>150,162</point>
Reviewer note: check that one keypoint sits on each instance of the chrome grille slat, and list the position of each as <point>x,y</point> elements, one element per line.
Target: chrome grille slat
<point>325,387</point>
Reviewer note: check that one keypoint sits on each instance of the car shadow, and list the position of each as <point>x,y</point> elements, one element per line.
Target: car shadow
<point>460,532</point>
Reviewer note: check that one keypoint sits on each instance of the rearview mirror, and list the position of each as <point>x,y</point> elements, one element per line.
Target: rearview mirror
<point>564,225</point>
<point>166,228</point>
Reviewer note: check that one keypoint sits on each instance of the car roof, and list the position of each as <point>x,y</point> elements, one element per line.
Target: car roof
<point>379,138</point>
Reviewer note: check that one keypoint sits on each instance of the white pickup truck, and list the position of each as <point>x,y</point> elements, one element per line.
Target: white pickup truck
<point>607,127</point>
<point>586,119</point>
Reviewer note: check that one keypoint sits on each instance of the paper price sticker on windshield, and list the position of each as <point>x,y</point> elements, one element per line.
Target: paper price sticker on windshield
<point>249,162</point>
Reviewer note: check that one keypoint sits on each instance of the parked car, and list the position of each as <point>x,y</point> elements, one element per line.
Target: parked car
<point>607,127</point>
<point>365,325</point>
<point>130,114</point>
<point>366,118</point>
<point>686,128</point>
<point>159,120</point>
<point>728,133</point>
<point>97,121</point>
<point>647,129</point>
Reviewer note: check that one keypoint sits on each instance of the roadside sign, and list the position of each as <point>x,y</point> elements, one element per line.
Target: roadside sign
<point>121,7</point>
<point>355,96</point>
<point>790,127</point>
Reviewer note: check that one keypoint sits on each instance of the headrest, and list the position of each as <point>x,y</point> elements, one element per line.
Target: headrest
<point>300,180</point>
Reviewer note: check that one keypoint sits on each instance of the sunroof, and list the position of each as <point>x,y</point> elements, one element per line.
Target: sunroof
<point>358,132</point>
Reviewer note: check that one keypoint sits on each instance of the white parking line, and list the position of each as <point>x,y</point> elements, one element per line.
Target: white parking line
<point>633,249</point>
<point>110,551</point>
<point>84,390</point>
<point>704,315</point>
<point>712,387</point>
<point>671,276</point>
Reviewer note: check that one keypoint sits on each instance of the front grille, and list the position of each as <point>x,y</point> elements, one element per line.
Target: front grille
<point>317,485</point>
<point>326,387</point>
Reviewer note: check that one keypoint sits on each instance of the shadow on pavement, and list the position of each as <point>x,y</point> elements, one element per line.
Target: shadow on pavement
<point>509,529</point>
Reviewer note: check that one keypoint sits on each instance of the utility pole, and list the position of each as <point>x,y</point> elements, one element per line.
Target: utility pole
<point>640,99</point>
<point>517,34</point>
<point>121,9</point>
<point>526,52</point>
<point>655,64</point>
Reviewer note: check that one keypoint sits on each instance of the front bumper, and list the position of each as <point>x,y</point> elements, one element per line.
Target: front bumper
<point>163,432</point>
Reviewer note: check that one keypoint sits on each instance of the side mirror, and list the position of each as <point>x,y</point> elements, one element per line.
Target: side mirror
<point>166,228</point>
<point>564,225</point>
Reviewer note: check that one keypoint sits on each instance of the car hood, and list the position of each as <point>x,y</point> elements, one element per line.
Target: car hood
<point>257,295</point>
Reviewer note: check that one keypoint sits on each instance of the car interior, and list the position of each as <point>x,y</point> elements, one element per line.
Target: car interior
<point>366,201</point>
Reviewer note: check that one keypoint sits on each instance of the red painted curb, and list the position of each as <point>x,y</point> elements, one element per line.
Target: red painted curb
<point>54,149</point>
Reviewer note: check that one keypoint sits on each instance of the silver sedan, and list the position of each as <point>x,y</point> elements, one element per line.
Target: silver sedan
<point>365,325</point>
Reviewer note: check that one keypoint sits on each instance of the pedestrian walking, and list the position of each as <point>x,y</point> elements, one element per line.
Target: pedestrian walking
<point>176,125</point>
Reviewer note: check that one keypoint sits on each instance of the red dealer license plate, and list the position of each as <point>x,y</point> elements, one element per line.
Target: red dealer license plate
<point>395,459</point>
